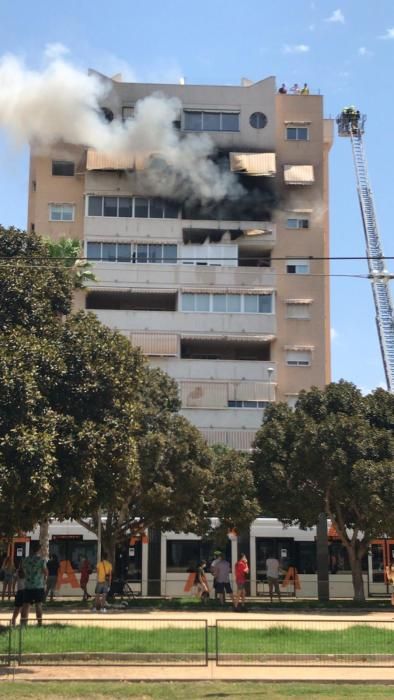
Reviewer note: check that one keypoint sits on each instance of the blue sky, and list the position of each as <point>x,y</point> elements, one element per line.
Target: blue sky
<point>345,49</point>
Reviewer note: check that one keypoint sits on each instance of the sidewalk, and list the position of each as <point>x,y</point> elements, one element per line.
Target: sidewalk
<point>211,672</point>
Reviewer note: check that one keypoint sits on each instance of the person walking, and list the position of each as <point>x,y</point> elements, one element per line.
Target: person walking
<point>222,575</point>
<point>201,582</point>
<point>53,568</point>
<point>104,577</point>
<point>241,570</point>
<point>19,595</point>
<point>390,579</point>
<point>8,570</point>
<point>273,569</point>
<point>85,575</point>
<point>36,572</point>
<point>216,554</point>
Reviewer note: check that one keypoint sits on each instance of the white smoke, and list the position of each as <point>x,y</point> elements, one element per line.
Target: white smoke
<point>62,103</point>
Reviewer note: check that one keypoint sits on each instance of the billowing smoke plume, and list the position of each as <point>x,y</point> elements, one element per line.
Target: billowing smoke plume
<point>62,103</point>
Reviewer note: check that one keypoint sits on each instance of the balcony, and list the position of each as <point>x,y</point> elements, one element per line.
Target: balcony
<point>190,324</point>
<point>229,371</point>
<point>224,419</point>
<point>144,230</point>
<point>129,275</point>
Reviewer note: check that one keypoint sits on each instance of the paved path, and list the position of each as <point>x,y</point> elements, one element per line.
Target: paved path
<point>210,672</point>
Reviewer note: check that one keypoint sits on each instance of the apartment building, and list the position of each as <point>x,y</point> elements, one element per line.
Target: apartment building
<point>230,297</point>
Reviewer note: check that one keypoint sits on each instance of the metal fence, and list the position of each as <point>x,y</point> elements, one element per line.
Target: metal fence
<point>304,642</point>
<point>114,641</point>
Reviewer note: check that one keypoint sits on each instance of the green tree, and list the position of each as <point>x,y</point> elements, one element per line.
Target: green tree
<point>68,252</point>
<point>332,454</point>
<point>234,499</point>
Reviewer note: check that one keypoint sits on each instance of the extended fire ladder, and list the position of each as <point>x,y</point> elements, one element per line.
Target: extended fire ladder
<point>351,124</point>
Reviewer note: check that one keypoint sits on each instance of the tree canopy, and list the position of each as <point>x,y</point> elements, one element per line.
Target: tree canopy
<point>85,422</point>
<point>333,454</point>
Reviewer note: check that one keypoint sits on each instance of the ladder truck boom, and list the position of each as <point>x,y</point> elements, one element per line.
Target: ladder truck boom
<point>351,125</point>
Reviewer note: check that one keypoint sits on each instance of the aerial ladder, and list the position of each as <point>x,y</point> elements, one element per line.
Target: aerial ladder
<point>351,125</point>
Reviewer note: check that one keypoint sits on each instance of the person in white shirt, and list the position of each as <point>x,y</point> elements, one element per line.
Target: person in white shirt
<point>273,570</point>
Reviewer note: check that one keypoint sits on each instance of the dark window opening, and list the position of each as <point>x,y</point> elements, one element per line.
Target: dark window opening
<point>206,349</point>
<point>95,206</point>
<point>110,206</point>
<point>63,167</point>
<point>131,301</point>
<point>253,257</point>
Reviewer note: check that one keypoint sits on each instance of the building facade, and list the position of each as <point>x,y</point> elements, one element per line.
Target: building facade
<point>230,297</point>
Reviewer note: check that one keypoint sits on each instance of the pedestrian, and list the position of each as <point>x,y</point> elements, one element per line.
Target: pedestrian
<point>35,571</point>
<point>295,89</point>
<point>222,574</point>
<point>85,575</point>
<point>8,569</point>
<point>273,569</point>
<point>201,582</point>
<point>19,595</point>
<point>241,570</point>
<point>104,577</point>
<point>216,554</point>
<point>53,568</point>
<point>283,89</point>
<point>390,579</point>
<point>305,89</point>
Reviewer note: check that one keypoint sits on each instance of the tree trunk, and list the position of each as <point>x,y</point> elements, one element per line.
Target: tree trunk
<point>357,575</point>
<point>44,539</point>
<point>109,545</point>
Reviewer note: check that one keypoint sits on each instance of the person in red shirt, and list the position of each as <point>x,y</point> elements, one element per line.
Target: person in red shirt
<point>241,569</point>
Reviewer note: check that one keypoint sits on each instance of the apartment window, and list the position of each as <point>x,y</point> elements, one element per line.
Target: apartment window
<point>125,206</point>
<point>124,252</point>
<point>61,212</point>
<point>227,303</point>
<point>247,404</point>
<point>93,251</point>
<point>292,400</point>
<point>298,310</point>
<point>156,253</point>
<point>298,358</point>
<point>210,121</point>
<point>63,167</point>
<point>108,252</point>
<point>128,252</point>
<point>156,209</point>
<point>110,206</point>
<point>139,207</point>
<point>297,223</point>
<point>297,267</point>
<point>297,133</point>
<point>95,206</point>
<point>127,113</point>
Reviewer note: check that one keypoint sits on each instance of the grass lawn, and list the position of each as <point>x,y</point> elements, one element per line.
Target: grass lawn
<point>62,638</point>
<point>192,691</point>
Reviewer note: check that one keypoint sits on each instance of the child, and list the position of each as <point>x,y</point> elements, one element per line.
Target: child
<point>19,597</point>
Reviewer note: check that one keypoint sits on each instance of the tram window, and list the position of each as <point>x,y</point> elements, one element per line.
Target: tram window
<point>339,559</point>
<point>74,551</point>
<point>186,554</point>
<point>306,557</point>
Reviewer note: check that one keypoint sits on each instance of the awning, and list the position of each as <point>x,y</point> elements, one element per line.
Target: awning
<point>297,122</point>
<point>300,347</point>
<point>242,338</point>
<point>298,301</point>
<point>132,290</point>
<point>226,290</point>
<point>96,160</point>
<point>299,174</point>
<point>253,163</point>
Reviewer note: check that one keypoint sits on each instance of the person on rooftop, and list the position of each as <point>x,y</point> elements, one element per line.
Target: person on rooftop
<point>283,89</point>
<point>305,89</point>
